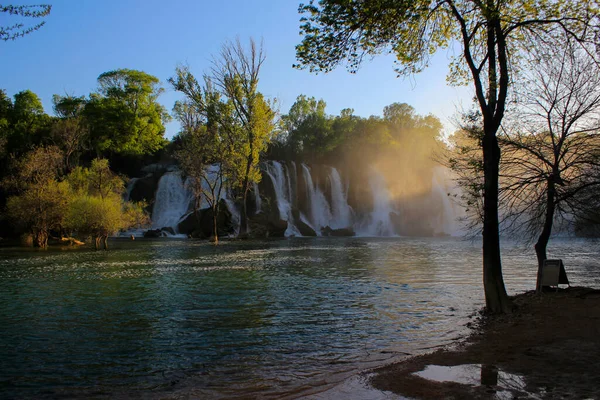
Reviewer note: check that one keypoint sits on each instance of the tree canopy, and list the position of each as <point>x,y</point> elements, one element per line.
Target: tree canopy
<point>124,116</point>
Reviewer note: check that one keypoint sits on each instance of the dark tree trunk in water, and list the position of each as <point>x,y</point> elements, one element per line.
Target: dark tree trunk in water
<point>215,220</point>
<point>41,239</point>
<point>496,298</point>
<point>542,242</point>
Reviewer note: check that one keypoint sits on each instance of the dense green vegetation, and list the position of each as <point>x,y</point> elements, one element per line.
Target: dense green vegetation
<point>55,168</point>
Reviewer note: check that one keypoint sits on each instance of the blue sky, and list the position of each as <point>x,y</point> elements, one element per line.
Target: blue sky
<point>84,38</point>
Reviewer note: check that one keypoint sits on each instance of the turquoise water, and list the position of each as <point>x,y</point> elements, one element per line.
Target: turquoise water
<point>181,318</point>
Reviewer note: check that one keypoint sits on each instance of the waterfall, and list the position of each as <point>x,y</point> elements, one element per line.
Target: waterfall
<point>378,223</point>
<point>294,185</point>
<point>236,216</point>
<point>320,213</point>
<point>280,178</point>
<point>340,210</point>
<point>257,200</point>
<point>449,212</point>
<point>171,202</point>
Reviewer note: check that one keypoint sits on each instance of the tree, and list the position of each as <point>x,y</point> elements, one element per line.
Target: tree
<point>490,33</point>
<point>305,121</point>
<point>97,208</point>
<point>29,125</point>
<point>203,159</point>
<point>41,201</point>
<point>17,30</point>
<point>242,115</point>
<point>124,116</point>
<point>70,132</point>
<point>552,141</point>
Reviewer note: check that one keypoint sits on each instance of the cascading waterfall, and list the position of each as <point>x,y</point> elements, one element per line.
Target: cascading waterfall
<point>378,222</point>
<point>173,199</point>
<point>283,194</point>
<point>320,212</point>
<point>340,210</point>
<point>171,202</point>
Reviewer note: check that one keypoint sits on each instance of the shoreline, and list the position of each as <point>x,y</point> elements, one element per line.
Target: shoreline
<point>546,348</point>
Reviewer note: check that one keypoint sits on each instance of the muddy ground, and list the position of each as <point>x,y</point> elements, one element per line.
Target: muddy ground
<point>551,343</point>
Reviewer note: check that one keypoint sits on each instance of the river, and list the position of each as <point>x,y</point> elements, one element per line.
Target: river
<point>181,318</point>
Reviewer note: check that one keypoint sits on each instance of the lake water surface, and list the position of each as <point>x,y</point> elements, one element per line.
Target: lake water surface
<point>181,318</point>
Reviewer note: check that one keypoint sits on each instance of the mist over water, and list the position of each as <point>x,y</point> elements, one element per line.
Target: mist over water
<point>183,318</point>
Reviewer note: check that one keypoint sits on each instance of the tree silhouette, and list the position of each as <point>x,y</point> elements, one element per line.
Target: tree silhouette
<point>17,30</point>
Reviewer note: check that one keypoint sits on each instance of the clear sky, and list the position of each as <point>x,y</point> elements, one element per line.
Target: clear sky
<point>84,38</point>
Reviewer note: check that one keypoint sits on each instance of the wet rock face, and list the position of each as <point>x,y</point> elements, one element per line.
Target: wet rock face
<point>305,229</point>
<point>262,225</point>
<point>200,225</point>
<point>144,189</point>
<point>153,233</point>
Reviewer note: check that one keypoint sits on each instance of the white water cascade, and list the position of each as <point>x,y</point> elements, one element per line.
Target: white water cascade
<point>283,194</point>
<point>378,223</point>
<point>322,204</point>
<point>320,212</point>
<point>340,210</point>
<point>171,202</point>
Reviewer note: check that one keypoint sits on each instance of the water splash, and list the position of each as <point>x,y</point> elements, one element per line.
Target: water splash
<point>172,201</point>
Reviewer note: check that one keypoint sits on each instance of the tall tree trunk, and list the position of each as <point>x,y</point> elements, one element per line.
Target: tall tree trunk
<point>496,298</point>
<point>41,238</point>
<point>542,242</point>
<point>215,220</point>
<point>105,240</point>
<point>96,240</point>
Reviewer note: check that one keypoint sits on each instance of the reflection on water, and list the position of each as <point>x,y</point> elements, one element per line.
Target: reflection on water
<point>183,318</point>
<point>504,385</point>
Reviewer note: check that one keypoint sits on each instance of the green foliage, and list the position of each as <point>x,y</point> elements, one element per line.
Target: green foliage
<point>125,117</point>
<point>337,30</point>
<point>68,106</point>
<point>26,123</point>
<point>97,208</point>
<point>40,208</point>
<point>310,134</point>
<point>17,30</point>
<point>40,201</point>
<point>90,215</point>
